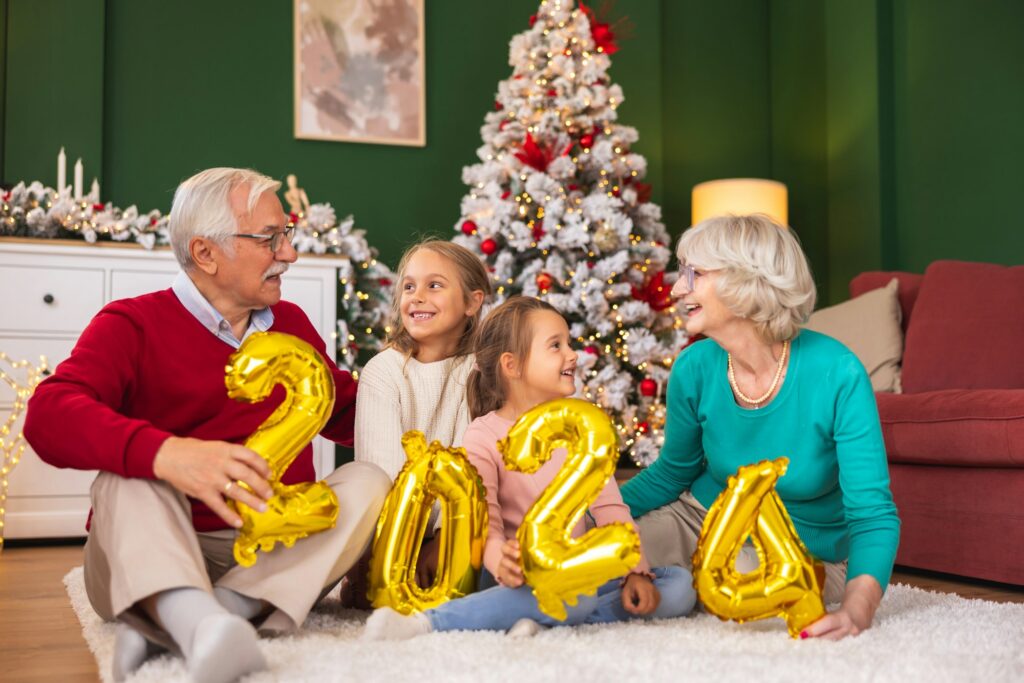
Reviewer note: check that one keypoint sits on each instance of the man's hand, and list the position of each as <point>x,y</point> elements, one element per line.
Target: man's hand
<point>426,563</point>
<point>640,595</point>
<point>509,572</point>
<point>855,614</point>
<point>211,471</point>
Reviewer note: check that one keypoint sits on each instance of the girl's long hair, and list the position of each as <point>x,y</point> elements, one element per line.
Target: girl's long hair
<point>506,329</point>
<point>472,277</point>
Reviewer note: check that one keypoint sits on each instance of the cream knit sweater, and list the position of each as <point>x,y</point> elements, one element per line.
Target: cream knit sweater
<point>396,395</point>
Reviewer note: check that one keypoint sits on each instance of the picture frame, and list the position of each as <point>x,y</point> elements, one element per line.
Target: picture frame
<point>360,71</point>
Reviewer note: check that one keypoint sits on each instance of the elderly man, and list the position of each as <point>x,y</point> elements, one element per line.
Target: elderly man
<point>142,399</point>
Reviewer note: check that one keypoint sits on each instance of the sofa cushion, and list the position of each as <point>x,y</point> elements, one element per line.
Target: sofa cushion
<point>965,427</point>
<point>869,325</point>
<point>967,329</point>
<point>910,285</point>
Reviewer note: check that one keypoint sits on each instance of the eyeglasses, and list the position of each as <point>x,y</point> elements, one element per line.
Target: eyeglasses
<point>687,271</point>
<point>273,239</point>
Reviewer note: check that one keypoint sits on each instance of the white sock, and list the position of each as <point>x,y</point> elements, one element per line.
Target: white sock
<point>524,628</point>
<point>236,603</point>
<point>131,650</point>
<point>226,648</point>
<point>179,612</point>
<point>387,624</point>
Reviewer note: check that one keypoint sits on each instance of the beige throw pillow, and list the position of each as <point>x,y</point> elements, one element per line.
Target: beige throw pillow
<point>868,325</point>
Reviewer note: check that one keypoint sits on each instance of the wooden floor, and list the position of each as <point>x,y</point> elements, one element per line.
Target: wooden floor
<point>40,639</point>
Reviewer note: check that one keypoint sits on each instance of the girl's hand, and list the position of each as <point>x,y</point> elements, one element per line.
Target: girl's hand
<point>640,595</point>
<point>863,594</point>
<point>426,563</point>
<point>510,573</point>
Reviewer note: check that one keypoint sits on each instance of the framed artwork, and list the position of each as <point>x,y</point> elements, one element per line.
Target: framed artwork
<point>359,71</point>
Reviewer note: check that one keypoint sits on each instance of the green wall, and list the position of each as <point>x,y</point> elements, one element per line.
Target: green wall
<point>895,123</point>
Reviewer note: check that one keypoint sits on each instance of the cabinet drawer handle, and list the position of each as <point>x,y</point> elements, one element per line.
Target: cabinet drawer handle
<point>48,299</point>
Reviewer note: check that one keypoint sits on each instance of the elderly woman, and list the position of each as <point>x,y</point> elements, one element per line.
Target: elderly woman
<point>758,388</point>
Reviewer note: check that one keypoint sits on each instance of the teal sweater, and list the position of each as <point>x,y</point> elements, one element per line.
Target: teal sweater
<point>824,419</point>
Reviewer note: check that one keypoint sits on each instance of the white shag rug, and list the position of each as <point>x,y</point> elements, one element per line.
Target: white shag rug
<point>917,636</point>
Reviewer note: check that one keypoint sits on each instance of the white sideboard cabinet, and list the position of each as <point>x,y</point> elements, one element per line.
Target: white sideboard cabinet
<point>49,291</point>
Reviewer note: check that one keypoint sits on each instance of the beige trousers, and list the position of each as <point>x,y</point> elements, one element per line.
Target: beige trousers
<point>142,542</point>
<point>670,536</point>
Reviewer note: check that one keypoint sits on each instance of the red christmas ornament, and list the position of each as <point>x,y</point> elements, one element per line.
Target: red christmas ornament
<point>501,126</point>
<point>544,281</point>
<point>591,349</point>
<point>648,387</point>
<point>616,191</point>
<point>506,194</point>
<point>643,427</point>
<point>587,141</point>
<point>384,282</point>
<point>538,230</point>
<point>488,246</point>
<point>293,217</point>
<point>533,20</point>
<point>552,92</point>
<point>152,221</point>
<point>643,192</point>
<point>468,228</point>
<point>572,187</point>
<point>95,207</point>
<point>498,106</point>
<point>655,292</point>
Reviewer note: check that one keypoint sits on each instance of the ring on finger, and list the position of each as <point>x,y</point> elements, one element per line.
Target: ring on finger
<point>227,486</point>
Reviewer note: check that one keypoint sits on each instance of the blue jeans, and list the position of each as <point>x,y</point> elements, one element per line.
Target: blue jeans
<point>498,608</point>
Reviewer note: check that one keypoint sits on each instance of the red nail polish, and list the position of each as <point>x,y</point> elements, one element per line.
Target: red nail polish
<point>804,634</point>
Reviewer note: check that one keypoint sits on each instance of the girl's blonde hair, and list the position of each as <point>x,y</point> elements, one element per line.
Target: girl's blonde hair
<point>764,273</point>
<point>473,277</point>
<point>505,330</point>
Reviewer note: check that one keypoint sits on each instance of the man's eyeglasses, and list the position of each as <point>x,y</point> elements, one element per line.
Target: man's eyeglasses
<point>273,239</point>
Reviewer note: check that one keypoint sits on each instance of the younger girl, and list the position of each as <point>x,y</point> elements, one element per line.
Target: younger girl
<point>524,359</point>
<point>419,380</point>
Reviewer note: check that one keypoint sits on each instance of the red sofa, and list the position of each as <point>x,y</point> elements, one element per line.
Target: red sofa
<point>955,436</point>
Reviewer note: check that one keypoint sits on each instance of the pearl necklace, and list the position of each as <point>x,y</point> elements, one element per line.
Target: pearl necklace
<point>756,402</point>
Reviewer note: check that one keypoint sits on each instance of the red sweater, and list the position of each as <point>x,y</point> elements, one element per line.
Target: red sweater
<point>145,370</point>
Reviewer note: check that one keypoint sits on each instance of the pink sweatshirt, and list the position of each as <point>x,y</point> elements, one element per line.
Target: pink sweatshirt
<point>510,494</point>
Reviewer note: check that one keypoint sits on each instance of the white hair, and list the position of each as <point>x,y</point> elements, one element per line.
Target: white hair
<point>764,275</point>
<point>202,207</point>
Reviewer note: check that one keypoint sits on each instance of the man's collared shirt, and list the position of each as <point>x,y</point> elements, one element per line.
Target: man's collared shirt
<point>196,304</point>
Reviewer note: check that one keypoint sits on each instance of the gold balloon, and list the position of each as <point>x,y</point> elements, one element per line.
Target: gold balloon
<point>788,582</point>
<point>264,360</point>
<point>430,473</point>
<point>558,567</point>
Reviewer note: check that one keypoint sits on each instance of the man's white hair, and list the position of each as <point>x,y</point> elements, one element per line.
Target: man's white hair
<point>764,275</point>
<point>202,208</point>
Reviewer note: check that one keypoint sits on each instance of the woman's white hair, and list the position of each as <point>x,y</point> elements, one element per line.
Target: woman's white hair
<point>764,275</point>
<point>202,208</point>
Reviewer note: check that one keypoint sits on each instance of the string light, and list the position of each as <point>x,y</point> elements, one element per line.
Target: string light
<point>14,448</point>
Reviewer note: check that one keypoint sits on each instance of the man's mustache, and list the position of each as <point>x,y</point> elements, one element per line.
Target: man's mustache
<point>275,269</point>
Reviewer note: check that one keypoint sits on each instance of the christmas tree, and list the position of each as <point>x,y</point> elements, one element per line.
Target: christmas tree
<point>557,210</point>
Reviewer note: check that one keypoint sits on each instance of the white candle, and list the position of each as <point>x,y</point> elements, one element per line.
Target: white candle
<point>79,171</point>
<point>94,191</point>
<point>62,171</point>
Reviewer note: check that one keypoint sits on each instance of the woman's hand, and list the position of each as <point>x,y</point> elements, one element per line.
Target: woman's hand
<point>862,597</point>
<point>510,573</point>
<point>640,595</point>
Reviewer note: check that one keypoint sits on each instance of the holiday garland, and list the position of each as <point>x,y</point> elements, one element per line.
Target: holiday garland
<point>37,211</point>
